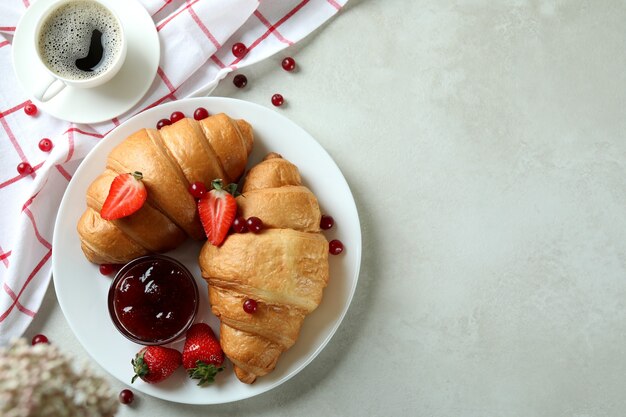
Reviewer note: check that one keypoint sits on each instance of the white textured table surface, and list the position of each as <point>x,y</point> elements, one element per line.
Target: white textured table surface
<point>484,141</point>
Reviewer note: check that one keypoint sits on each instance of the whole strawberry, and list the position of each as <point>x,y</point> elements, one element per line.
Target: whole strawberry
<point>155,363</point>
<point>217,210</point>
<point>202,354</point>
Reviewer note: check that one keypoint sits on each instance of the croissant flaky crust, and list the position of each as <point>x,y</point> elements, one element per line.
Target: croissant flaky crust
<point>284,269</point>
<point>170,159</point>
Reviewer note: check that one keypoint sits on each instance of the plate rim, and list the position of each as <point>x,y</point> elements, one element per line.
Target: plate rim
<point>257,107</point>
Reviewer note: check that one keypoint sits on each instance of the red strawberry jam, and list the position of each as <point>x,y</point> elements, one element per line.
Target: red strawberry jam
<point>153,300</point>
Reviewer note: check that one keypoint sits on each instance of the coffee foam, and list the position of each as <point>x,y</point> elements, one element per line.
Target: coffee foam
<point>65,36</point>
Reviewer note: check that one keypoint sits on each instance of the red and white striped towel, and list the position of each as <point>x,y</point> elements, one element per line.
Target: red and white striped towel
<point>196,39</point>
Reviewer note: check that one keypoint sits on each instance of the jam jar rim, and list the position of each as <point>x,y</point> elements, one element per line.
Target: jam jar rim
<point>117,322</point>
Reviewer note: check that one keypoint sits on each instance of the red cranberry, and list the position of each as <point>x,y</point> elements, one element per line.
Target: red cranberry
<point>335,247</point>
<point>289,64</point>
<point>45,145</point>
<point>197,189</point>
<point>200,113</point>
<point>39,338</point>
<point>176,116</point>
<point>239,225</point>
<point>326,222</point>
<point>126,396</point>
<point>163,122</point>
<point>30,109</point>
<point>240,81</point>
<point>255,225</point>
<point>277,100</point>
<point>250,306</point>
<point>24,168</point>
<point>239,50</point>
<point>107,269</point>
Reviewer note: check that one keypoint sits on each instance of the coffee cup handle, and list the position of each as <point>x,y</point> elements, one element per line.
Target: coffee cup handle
<point>49,88</point>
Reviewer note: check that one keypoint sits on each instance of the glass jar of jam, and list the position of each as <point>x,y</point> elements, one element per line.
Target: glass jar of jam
<point>153,300</point>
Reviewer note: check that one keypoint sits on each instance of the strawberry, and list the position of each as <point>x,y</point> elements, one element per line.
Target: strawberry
<point>155,363</point>
<point>126,195</point>
<point>202,354</point>
<point>217,210</point>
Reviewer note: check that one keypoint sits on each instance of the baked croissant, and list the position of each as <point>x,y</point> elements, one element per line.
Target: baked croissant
<point>170,159</point>
<point>284,269</point>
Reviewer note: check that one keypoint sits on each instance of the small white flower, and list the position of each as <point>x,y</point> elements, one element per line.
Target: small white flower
<point>39,381</point>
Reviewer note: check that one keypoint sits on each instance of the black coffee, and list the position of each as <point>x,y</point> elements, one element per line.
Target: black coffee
<point>80,40</point>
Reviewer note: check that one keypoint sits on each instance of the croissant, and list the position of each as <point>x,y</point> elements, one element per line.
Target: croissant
<point>284,269</point>
<point>170,159</point>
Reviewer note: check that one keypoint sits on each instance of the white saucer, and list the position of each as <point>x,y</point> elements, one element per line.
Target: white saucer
<point>108,100</point>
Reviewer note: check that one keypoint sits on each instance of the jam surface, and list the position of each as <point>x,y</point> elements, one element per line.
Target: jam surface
<point>153,299</point>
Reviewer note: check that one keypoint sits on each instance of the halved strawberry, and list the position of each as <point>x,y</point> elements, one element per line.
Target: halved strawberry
<point>126,195</point>
<point>217,210</point>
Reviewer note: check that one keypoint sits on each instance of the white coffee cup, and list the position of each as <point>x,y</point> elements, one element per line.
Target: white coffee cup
<point>54,82</point>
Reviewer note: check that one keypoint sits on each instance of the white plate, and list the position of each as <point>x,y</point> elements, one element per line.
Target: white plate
<point>91,105</point>
<point>82,291</point>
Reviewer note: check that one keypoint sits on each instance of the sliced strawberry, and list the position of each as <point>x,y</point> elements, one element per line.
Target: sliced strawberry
<point>126,195</point>
<point>217,210</point>
<point>155,363</point>
<point>202,354</point>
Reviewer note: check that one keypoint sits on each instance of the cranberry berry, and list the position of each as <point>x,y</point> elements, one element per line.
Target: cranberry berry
<point>163,122</point>
<point>107,269</point>
<point>239,50</point>
<point>240,81</point>
<point>335,247</point>
<point>39,338</point>
<point>326,222</point>
<point>30,109</point>
<point>24,168</point>
<point>277,100</point>
<point>126,396</point>
<point>200,113</point>
<point>289,64</point>
<point>239,225</point>
<point>176,116</point>
<point>255,225</point>
<point>45,145</point>
<point>197,189</point>
<point>250,306</point>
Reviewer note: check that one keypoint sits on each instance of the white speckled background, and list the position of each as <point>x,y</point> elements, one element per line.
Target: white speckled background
<point>484,141</point>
